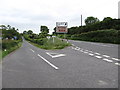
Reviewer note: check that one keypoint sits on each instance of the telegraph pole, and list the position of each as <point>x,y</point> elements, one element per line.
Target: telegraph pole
<point>119,10</point>
<point>81,20</point>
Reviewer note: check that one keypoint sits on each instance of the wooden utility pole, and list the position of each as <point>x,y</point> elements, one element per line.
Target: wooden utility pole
<point>81,20</point>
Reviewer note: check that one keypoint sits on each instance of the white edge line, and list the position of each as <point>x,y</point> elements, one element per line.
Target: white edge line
<point>48,62</point>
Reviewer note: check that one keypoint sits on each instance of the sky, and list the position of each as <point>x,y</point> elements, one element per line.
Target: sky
<point>31,14</point>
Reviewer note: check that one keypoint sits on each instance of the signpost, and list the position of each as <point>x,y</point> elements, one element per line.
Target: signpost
<point>61,27</point>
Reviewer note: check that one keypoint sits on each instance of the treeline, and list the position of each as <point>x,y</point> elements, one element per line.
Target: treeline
<point>37,38</point>
<point>93,24</point>
<point>43,33</point>
<point>9,32</point>
<point>11,39</point>
<point>107,23</point>
<point>106,31</point>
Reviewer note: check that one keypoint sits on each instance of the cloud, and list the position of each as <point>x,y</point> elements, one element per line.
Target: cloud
<point>30,14</point>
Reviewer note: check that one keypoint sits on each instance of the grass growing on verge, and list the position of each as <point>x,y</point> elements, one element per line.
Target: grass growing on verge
<point>49,44</point>
<point>7,51</point>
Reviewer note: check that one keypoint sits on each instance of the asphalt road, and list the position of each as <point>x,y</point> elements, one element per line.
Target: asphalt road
<point>83,65</point>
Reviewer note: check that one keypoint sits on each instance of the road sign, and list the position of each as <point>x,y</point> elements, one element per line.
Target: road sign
<point>61,27</point>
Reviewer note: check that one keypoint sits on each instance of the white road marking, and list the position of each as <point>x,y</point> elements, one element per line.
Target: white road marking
<point>105,59</point>
<point>117,64</point>
<point>73,48</point>
<point>55,54</point>
<point>100,82</point>
<point>81,51</point>
<point>91,51</point>
<point>85,52</point>
<point>106,56</point>
<point>77,48</point>
<point>73,45</point>
<point>32,50</point>
<point>97,53</point>
<point>91,54</point>
<point>98,56</point>
<point>48,62</point>
<point>116,59</point>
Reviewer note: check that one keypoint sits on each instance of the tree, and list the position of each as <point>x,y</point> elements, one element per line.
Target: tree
<point>9,27</point>
<point>30,32</point>
<point>44,29</point>
<point>24,32</point>
<point>107,23</point>
<point>91,20</point>
<point>3,27</point>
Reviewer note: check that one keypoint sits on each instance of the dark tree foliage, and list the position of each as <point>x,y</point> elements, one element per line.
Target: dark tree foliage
<point>107,23</point>
<point>8,32</point>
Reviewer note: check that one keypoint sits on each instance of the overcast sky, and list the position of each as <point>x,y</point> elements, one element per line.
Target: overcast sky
<point>31,14</point>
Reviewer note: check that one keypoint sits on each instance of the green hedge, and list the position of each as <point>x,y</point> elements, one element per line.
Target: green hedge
<point>105,36</point>
<point>38,41</point>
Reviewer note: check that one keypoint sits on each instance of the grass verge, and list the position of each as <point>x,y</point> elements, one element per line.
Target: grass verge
<point>50,44</point>
<point>5,53</point>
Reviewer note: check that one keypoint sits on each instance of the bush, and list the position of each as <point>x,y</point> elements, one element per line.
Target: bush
<point>7,44</point>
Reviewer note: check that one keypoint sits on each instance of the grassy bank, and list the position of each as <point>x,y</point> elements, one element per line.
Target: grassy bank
<point>104,36</point>
<point>9,46</point>
<point>49,44</point>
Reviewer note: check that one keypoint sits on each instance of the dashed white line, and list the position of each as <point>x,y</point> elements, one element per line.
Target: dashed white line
<point>97,53</point>
<point>117,64</point>
<point>105,59</point>
<point>91,54</point>
<point>32,50</point>
<point>98,57</point>
<point>85,52</point>
<point>106,56</point>
<point>48,62</point>
<point>116,59</point>
<point>81,51</point>
<point>77,48</point>
<point>91,51</point>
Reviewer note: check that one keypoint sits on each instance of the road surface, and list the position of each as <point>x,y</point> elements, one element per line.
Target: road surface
<point>83,65</point>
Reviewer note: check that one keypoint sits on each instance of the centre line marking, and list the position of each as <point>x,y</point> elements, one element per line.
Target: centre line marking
<point>106,56</point>
<point>90,54</point>
<point>117,64</point>
<point>91,51</point>
<point>105,59</point>
<point>32,50</point>
<point>97,53</point>
<point>85,52</point>
<point>48,62</point>
<point>116,59</point>
<point>98,56</point>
